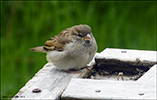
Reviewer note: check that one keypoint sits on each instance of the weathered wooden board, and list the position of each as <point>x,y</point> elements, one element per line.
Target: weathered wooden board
<point>132,63</point>
<point>51,81</point>
<point>87,89</point>
<point>126,60</point>
<point>128,55</point>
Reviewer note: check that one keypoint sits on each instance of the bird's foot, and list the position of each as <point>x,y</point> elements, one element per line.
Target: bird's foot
<point>88,68</point>
<point>72,71</point>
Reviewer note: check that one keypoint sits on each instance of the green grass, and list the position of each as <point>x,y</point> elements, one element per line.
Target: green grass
<point>127,25</point>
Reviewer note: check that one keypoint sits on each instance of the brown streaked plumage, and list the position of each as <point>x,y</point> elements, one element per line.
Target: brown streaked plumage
<point>58,42</point>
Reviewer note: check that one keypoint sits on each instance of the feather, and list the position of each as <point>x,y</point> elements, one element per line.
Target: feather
<point>38,49</point>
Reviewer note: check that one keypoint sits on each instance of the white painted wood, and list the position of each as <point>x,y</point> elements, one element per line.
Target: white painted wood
<point>126,60</point>
<point>85,89</point>
<point>128,55</point>
<point>149,76</point>
<point>51,81</point>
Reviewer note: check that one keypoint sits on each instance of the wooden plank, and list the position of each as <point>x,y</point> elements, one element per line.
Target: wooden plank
<point>128,58</point>
<point>128,55</point>
<point>132,63</point>
<point>51,81</point>
<point>87,89</point>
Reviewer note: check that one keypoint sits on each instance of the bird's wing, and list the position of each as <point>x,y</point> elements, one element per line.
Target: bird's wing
<point>55,43</point>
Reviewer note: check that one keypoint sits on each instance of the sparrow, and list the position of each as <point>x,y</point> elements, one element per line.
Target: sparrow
<point>73,48</point>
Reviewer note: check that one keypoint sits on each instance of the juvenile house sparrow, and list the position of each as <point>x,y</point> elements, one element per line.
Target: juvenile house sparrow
<point>73,48</point>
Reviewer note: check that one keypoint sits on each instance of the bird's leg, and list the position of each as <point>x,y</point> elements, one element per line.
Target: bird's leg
<point>73,71</point>
<point>88,68</point>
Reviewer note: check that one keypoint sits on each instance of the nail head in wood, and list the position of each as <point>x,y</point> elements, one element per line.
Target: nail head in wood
<point>37,90</point>
<point>123,51</point>
<point>141,94</point>
<point>97,90</point>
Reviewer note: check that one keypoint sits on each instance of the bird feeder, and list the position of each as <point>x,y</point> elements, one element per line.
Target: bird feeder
<point>113,74</point>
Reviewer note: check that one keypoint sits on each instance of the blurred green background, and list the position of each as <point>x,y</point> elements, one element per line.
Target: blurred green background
<point>126,25</point>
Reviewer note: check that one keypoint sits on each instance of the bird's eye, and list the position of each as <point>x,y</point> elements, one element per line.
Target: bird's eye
<point>80,34</point>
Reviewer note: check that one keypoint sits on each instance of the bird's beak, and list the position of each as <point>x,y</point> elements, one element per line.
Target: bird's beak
<point>87,37</point>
